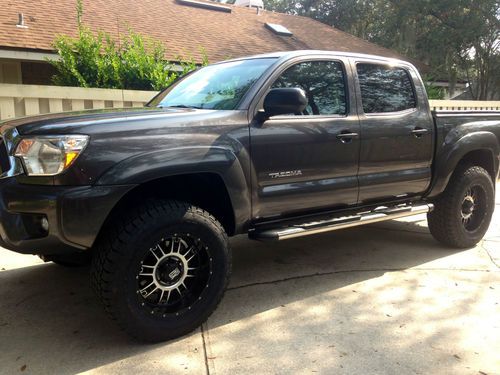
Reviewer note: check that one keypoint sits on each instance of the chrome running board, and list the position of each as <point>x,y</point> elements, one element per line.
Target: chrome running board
<point>315,227</point>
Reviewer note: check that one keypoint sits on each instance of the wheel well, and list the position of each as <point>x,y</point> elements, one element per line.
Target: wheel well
<point>204,190</point>
<point>481,158</point>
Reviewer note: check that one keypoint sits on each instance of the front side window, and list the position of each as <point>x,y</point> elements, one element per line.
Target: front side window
<point>385,89</point>
<point>323,83</point>
<point>219,86</point>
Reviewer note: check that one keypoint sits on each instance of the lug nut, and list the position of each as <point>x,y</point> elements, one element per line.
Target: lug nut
<point>45,224</point>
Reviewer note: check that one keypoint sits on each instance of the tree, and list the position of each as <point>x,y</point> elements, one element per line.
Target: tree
<point>458,39</point>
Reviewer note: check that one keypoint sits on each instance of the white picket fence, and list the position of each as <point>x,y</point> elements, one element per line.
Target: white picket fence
<point>25,100</point>
<point>473,105</point>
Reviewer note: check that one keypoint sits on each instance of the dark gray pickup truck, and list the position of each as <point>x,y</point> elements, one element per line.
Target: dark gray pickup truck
<point>275,146</point>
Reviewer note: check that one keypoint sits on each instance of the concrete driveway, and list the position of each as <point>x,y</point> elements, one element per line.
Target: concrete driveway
<point>379,299</point>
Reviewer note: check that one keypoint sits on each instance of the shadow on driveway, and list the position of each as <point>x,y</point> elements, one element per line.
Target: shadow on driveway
<point>51,321</point>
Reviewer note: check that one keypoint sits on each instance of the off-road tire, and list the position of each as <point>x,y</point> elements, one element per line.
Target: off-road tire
<point>446,222</point>
<point>125,244</point>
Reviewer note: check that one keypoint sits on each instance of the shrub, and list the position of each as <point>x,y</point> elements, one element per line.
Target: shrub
<point>433,91</point>
<point>96,60</point>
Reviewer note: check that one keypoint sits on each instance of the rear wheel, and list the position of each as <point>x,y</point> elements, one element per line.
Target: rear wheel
<point>161,272</point>
<point>463,212</point>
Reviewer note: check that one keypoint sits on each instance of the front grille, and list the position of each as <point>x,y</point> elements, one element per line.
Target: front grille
<point>4,157</point>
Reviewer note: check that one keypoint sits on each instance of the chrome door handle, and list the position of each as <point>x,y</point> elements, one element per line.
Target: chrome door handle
<point>346,136</point>
<point>418,132</point>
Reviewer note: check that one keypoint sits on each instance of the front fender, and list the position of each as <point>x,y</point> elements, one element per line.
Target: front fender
<point>150,166</point>
<point>454,148</point>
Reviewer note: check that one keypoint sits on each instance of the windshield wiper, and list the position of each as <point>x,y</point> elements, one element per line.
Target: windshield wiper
<point>180,106</point>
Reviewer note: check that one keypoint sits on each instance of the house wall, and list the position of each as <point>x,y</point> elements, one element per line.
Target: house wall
<point>10,71</point>
<point>26,72</point>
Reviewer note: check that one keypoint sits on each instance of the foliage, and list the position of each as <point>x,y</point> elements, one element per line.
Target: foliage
<point>433,91</point>
<point>458,39</point>
<point>97,60</point>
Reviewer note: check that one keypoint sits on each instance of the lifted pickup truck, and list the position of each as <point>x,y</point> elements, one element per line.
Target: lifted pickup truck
<point>276,146</point>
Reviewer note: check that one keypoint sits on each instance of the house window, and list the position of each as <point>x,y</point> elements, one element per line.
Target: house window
<point>385,89</point>
<point>37,73</point>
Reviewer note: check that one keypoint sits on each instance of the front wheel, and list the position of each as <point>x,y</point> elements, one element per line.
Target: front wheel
<point>463,212</point>
<point>162,271</point>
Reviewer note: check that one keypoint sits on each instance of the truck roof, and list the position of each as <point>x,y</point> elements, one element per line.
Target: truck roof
<point>297,53</point>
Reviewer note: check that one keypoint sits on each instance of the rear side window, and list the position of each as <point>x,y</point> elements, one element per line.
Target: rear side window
<point>385,89</point>
<point>323,83</point>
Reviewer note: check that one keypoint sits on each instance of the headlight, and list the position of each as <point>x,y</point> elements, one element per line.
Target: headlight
<point>50,155</point>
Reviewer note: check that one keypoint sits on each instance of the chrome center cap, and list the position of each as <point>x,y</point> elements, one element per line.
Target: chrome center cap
<point>467,207</point>
<point>170,271</point>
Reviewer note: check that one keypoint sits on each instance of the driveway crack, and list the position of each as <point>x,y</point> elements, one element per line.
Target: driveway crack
<point>320,274</point>
<point>205,355</point>
<point>490,256</point>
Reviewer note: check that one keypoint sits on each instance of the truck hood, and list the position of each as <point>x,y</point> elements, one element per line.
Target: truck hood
<point>106,120</point>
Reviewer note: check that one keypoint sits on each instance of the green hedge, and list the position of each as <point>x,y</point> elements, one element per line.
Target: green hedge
<point>96,60</point>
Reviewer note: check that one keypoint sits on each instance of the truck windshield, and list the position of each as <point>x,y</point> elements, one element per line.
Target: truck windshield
<point>219,86</point>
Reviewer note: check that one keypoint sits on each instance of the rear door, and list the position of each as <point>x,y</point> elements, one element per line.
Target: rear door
<point>307,161</point>
<point>396,132</point>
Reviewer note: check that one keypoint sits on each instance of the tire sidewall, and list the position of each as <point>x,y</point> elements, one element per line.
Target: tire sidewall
<point>137,319</point>
<point>468,180</point>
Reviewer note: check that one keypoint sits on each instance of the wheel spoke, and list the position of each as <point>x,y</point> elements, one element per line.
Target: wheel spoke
<point>190,250</point>
<point>148,272</point>
<point>161,296</point>
<point>161,250</point>
<point>175,275</point>
<point>185,297</point>
<point>168,296</point>
<point>178,292</point>
<point>152,251</point>
<point>148,290</point>
<point>474,193</point>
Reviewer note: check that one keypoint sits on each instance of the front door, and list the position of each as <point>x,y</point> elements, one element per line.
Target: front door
<point>307,161</point>
<point>396,133</point>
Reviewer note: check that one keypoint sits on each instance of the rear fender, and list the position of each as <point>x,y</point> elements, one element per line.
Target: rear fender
<point>455,147</point>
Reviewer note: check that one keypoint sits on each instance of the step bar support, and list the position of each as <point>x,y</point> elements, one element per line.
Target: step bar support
<point>307,229</point>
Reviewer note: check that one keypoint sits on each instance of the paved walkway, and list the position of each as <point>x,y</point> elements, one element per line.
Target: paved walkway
<point>379,299</point>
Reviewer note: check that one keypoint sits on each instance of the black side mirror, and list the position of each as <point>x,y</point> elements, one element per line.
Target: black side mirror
<point>282,101</point>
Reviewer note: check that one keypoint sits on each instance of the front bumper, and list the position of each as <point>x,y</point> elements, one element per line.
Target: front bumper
<point>75,216</point>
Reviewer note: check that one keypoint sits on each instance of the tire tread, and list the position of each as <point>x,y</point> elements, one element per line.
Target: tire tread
<point>440,225</point>
<point>109,247</point>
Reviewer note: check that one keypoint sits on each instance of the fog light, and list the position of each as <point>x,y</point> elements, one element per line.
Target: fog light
<point>45,224</point>
<point>35,225</point>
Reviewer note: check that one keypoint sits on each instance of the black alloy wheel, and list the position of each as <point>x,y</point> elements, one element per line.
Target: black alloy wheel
<point>174,274</point>
<point>463,212</point>
<point>161,269</point>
